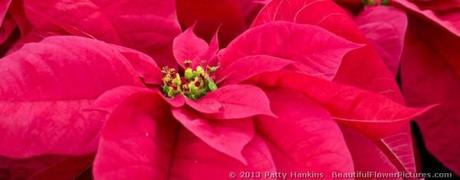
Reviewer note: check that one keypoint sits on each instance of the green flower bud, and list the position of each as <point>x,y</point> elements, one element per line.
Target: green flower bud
<point>192,88</point>
<point>368,2</point>
<point>212,69</point>
<point>199,70</point>
<point>168,91</point>
<point>177,80</point>
<point>211,85</point>
<point>188,73</point>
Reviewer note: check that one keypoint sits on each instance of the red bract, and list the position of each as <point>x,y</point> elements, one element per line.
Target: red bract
<point>386,28</point>
<point>436,5</point>
<point>7,27</point>
<point>361,68</point>
<point>232,16</point>
<point>41,109</point>
<point>275,108</point>
<point>430,73</point>
<point>4,5</point>
<point>148,26</point>
<point>429,68</point>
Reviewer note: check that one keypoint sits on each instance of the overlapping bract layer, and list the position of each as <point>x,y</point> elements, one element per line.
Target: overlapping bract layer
<point>298,90</point>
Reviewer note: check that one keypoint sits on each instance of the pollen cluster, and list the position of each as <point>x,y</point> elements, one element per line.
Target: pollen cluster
<point>375,2</point>
<point>194,83</point>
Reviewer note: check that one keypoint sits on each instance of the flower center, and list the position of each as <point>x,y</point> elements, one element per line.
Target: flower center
<point>194,83</point>
<point>375,2</point>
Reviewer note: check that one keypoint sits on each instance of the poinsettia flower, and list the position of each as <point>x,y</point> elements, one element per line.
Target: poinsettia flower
<point>265,103</point>
<point>255,100</point>
<point>198,143</point>
<point>221,121</point>
<point>429,69</point>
